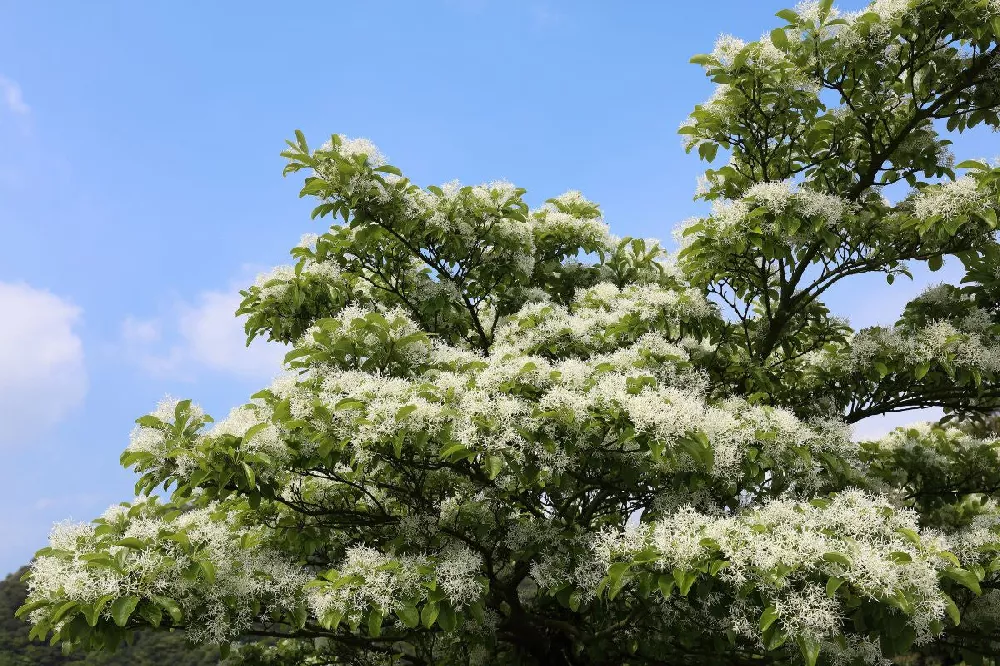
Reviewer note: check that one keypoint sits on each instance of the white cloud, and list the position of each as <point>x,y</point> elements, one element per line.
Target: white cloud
<point>216,338</point>
<point>10,92</point>
<point>42,373</point>
<point>136,331</point>
<point>208,335</point>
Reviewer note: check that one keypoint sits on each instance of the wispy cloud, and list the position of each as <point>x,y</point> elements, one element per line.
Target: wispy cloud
<point>138,332</point>
<point>206,335</point>
<point>42,373</point>
<point>12,97</point>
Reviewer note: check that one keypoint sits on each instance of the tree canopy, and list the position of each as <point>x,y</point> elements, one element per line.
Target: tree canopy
<point>149,647</point>
<point>507,436</point>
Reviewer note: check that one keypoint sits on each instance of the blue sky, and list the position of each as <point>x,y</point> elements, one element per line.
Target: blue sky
<point>140,183</point>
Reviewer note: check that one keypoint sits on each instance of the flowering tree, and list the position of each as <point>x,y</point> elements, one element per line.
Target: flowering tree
<point>509,437</point>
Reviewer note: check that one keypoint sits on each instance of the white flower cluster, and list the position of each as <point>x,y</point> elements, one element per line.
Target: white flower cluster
<point>779,197</point>
<point>362,181</point>
<point>980,539</point>
<point>382,582</point>
<point>866,532</point>
<point>267,440</point>
<point>875,34</point>
<point>369,579</point>
<point>489,404</point>
<point>950,200</point>
<point>475,213</point>
<point>279,281</point>
<point>579,229</point>
<point>763,53</point>
<point>809,10</point>
<point>730,220</point>
<point>371,332</point>
<point>155,441</point>
<point>360,146</point>
<point>244,574</point>
<point>599,317</point>
<point>940,341</point>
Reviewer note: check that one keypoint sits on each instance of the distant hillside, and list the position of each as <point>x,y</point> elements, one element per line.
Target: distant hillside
<point>148,649</point>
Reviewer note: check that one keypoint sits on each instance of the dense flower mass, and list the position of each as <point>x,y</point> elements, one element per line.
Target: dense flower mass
<point>507,436</point>
<point>201,568</point>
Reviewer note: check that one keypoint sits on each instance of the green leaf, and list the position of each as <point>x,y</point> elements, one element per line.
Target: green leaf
<point>768,617</point>
<point>935,263</point>
<point>38,631</point>
<point>28,607</point>
<point>810,649</point>
<point>64,609</point>
<point>700,449</point>
<point>449,451</point>
<point>447,619</point>
<point>209,570</point>
<point>169,605</point>
<point>405,411</point>
<point>151,613</point>
<point>429,614</point>
<point>952,609</point>
<point>666,584</point>
<point>966,578</point>
<point>839,558</point>
<point>492,465</point>
<point>408,615</point>
<point>149,421</point>
<point>618,583</point>
<point>331,619</point>
<point>972,164</point>
<point>774,638</point>
<point>122,608</point>
<point>833,585</point>
<point>922,369</point>
<point>685,579</point>
<point>349,403</point>
<point>789,15</point>
<point>93,612</point>
<point>375,622</point>
<point>780,39</point>
<point>299,616</point>
<point>717,566</point>
<point>181,409</point>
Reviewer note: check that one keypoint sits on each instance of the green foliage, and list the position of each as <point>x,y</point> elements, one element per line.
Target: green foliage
<point>509,437</point>
<point>148,648</point>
